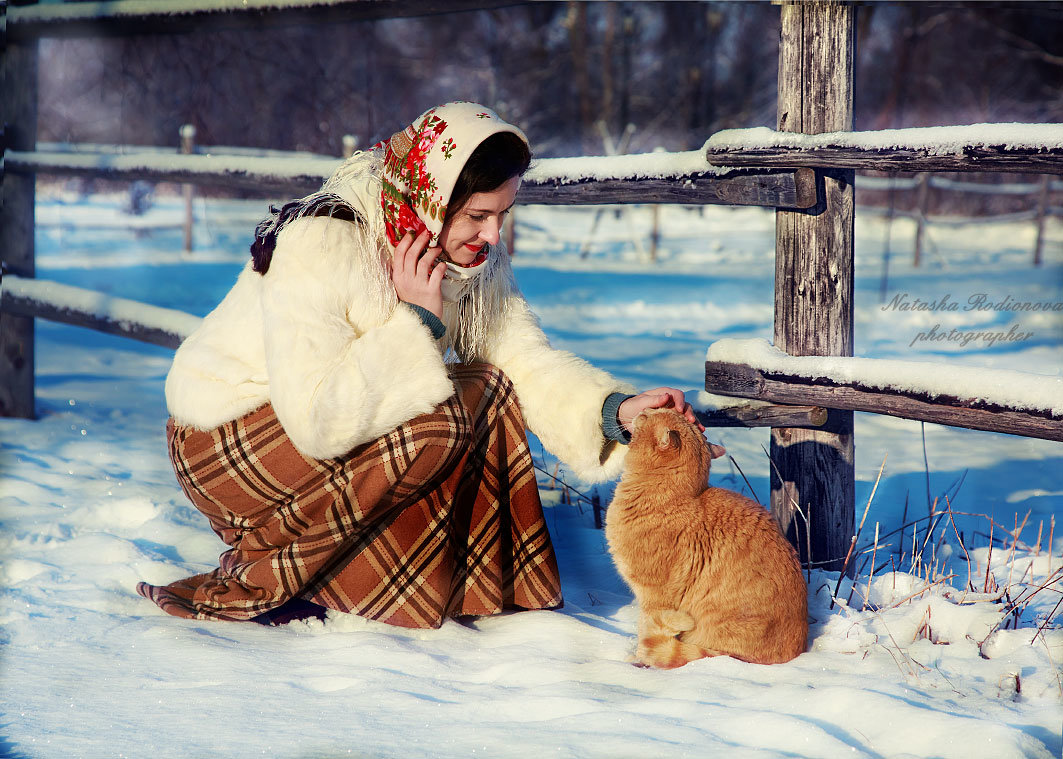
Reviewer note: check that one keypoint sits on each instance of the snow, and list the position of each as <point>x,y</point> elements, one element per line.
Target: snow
<point>55,12</point>
<point>101,306</point>
<point>563,170</point>
<point>89,506</point>
<point>939,140</point>
<point>654,165</point>
<point>998,387</point>
<point>263,168</point>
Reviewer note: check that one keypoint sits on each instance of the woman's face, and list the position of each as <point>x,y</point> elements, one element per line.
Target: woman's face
<point>478,224</point>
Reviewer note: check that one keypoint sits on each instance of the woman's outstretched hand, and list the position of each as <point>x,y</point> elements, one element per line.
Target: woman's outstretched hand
<point>417,273</point>
<point>661,397</point>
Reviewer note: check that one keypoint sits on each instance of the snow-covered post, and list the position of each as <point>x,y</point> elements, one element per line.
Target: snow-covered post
<point>19,100</point>
<point>188,145</point>
<point>813,469</point>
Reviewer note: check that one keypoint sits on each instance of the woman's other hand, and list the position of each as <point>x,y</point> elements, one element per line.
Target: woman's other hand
<point>417,273</point>
<point>661,397</point>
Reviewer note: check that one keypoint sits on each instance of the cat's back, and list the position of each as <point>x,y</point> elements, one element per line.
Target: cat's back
<point>731,511</point>
<point>747,538</point>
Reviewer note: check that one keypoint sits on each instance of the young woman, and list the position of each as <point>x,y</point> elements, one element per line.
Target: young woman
<point>351,417</point>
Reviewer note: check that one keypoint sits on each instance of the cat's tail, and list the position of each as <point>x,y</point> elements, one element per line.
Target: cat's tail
<point>673,621</point>
<point>660,644</point>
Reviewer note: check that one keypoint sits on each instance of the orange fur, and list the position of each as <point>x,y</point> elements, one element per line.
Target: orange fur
<point>710,570</point>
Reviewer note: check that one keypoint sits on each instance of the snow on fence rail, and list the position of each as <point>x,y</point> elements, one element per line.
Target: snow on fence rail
<point>997,400</point>
<point>1033,148</point>
<point>270,174</point>
<point>684,177</point>
<point>57,302</point>
<point>127,17</point>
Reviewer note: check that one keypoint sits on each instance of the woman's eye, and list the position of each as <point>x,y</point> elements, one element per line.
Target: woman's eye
<point>477,217</point>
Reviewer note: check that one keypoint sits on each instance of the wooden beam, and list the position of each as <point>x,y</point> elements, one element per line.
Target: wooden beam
<point>19,103</point>
<point>273,175</point>
<point>270,175</point>
<point>813,470</point>
<point>795,189</point>
<point>764,416</point>
<point>121,18</point>
<point>35,298</point>
<point>743,381</point>
<point>1020,160</point>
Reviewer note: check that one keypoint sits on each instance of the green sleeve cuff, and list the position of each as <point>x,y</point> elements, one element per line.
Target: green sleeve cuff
<point>611,426</point>
<point>430,320</point>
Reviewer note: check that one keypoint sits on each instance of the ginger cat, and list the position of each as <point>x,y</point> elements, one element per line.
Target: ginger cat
<point>710,570</point>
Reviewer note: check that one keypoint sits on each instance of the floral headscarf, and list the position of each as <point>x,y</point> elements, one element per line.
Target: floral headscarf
<point>423,161</point>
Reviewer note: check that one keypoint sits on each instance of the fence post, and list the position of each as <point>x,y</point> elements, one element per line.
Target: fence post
<point>188,145</point>
<point>1042,211</point>
<point>511,232</point>
<point>922,196</point>
<point>19,98</point>
<point>655,231</point>
<point>812,470</point>
<point>350,144</point>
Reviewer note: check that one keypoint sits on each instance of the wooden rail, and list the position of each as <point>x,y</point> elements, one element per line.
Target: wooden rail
<point>743,381</point>
<point>122,18</point>
<point>765,415</point>
<point>1018,160</point>
<point>36,298</point>
<point>271,175</point>
<point>547,184</point>
<point>774,189</point>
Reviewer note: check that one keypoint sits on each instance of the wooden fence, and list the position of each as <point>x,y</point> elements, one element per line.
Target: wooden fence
<point>812,470</point>
<point>1040,193</point>
<point>812,190</point>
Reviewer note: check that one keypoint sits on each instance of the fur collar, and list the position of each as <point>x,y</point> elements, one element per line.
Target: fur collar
<point>480,307</point>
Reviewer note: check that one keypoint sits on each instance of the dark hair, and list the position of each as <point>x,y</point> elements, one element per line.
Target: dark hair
<point>495,161</point>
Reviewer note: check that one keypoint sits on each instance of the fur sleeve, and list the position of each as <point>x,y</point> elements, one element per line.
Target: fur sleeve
<point>560,394</point>
<point>339,374</point>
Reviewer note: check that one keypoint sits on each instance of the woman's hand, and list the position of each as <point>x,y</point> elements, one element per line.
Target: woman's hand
<point>417,274</point>
<point>661,397</point>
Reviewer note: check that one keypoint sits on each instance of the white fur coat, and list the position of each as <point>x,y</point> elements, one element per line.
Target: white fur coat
<point>323,338</point>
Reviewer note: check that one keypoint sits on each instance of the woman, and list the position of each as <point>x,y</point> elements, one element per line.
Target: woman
<point>351,417</point>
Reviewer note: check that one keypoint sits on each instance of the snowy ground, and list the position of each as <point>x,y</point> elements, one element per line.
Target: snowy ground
<point>89,506</point>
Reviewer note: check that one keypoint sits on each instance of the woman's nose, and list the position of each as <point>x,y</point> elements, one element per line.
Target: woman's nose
<point>490,231</point>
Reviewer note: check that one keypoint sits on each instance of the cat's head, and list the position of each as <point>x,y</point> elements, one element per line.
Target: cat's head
<point>664,441</point>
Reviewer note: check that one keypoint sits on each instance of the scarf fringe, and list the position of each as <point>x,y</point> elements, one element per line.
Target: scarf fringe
<point>472,321</point>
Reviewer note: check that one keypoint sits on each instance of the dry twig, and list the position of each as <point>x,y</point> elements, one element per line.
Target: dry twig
<point>856,537</point>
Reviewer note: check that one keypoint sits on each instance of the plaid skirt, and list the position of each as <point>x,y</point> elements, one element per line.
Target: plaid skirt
<point>440,517</point>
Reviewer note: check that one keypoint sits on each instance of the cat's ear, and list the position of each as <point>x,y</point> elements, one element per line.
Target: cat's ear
<point>715,451</point>
<point>668,439</point>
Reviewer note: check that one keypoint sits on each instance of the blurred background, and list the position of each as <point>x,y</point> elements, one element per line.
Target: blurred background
<point>568,72</point>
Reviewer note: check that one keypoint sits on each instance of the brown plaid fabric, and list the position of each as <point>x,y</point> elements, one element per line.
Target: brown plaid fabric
<point>440,517</point>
